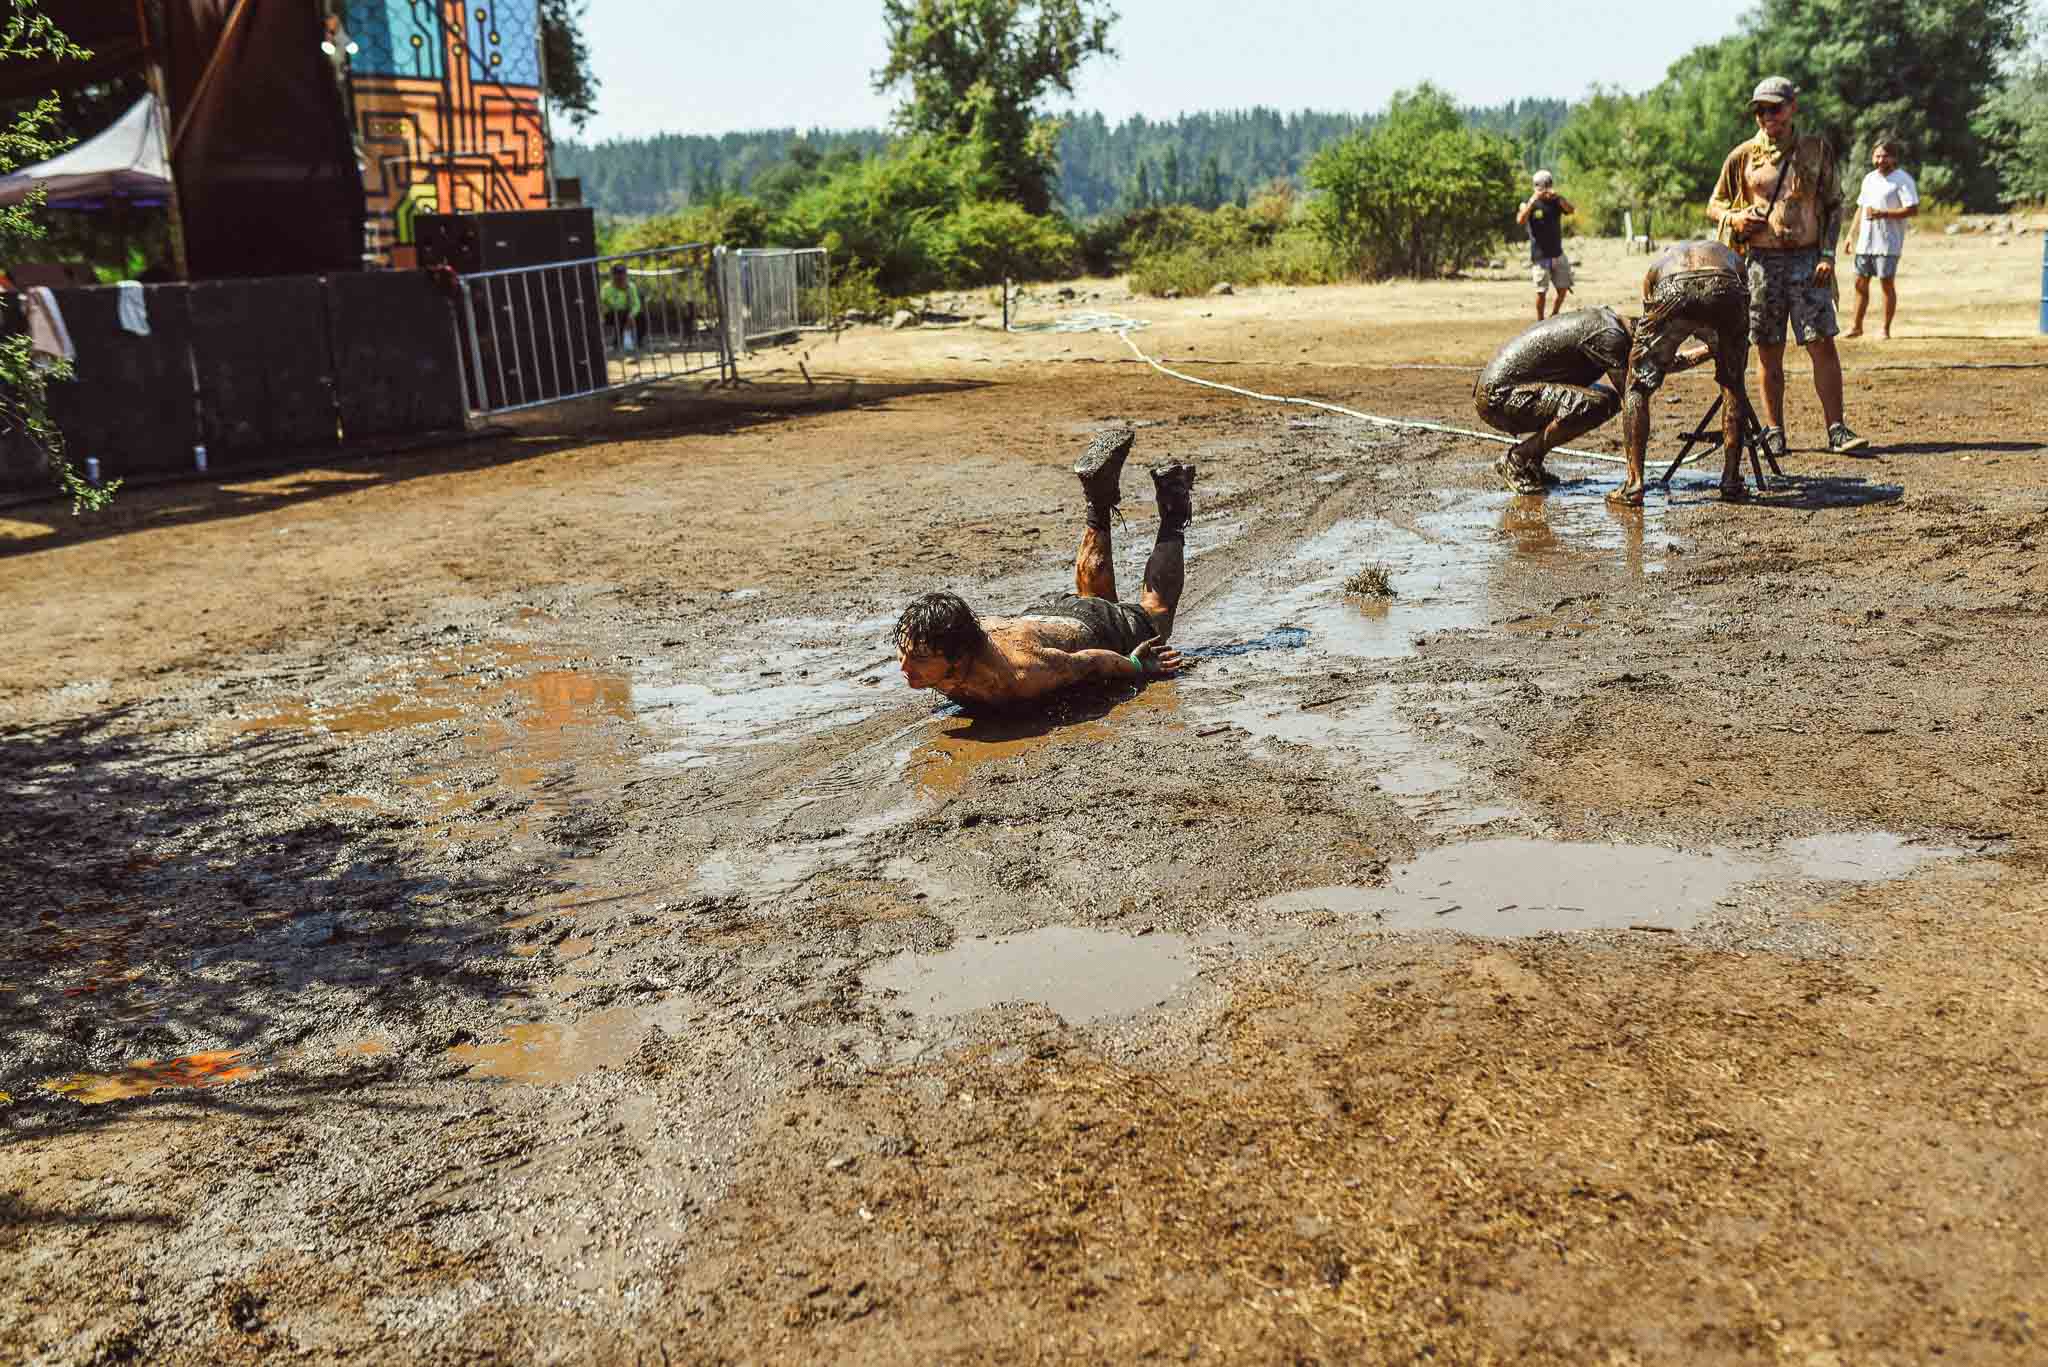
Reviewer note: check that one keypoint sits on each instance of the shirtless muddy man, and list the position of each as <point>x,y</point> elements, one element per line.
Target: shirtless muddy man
<point>1546,383</point>
<point>1086,636</point>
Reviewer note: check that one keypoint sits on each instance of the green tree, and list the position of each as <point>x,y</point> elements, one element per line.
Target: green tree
<point>572,89</point>
<point>24,381</point>
<point>976,70</point>
<point>1916,68</point>
<point>1420,193</point>
<point>2013,123</point>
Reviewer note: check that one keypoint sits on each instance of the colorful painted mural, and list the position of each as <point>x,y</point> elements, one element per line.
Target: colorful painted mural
<point>445,98</point>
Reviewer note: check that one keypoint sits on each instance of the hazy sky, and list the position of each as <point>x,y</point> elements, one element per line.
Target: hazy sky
<point>671,66</point>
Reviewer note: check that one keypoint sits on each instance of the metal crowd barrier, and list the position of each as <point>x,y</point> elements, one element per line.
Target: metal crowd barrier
<point>533,335</point>
<point>774,292</point>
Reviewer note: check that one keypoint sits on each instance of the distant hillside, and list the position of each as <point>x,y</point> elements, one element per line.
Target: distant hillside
<point>636,176</point>
<point>1202,159</point>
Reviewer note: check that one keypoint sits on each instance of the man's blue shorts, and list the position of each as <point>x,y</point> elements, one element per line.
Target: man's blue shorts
<point>1883,267</point>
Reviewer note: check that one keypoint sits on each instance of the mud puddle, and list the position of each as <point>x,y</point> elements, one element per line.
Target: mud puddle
<point>1084,976</point>
<point>547,1053</point>
<point>962,743</point>
<point>193,1072</point>
<point>1512,888</point>
<point>804,676</point>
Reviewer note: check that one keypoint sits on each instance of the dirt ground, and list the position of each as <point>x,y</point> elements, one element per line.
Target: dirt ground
<point>500,902</point>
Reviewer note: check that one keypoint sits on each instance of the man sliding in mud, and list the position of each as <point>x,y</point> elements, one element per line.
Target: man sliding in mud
<point>1071,638</point>
<point>1546,383</point>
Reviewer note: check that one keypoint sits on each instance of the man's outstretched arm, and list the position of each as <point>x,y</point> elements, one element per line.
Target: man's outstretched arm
<point>1151,660</point>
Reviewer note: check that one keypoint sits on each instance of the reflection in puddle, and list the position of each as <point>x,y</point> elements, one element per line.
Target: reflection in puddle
<point>1279,638</point>
<point>1551,531</point>
<point>1862,856</point>
<point>548,1053</point>
<point>1083,975</point>
<point>1509,888</point>
<point>964,743</point>
<point>1529,887</point>
<point>217,1068</point>
<point>385,712</point>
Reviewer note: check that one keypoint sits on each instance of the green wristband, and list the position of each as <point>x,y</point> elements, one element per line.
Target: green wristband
<point>1142,671</point>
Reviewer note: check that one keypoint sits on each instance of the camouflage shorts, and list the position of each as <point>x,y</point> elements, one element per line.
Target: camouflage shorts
<point>1781,288</point>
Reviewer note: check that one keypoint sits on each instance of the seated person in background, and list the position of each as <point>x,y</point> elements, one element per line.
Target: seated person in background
<point>1547,383</point>
<point>620,300</point>
<point>1070,638</point>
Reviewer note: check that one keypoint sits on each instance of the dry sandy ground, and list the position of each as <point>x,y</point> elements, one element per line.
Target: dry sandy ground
<point>499,902</point>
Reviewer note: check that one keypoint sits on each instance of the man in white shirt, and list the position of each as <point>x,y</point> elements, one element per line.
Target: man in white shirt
<point>1887,200</point>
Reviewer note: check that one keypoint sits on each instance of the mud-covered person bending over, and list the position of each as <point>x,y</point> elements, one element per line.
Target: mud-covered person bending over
<point>1546,386</point>
<point>1070,638</point>
<point>1695,289</point>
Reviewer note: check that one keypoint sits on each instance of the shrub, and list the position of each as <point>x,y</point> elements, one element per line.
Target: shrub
<point>987,240</point>
<point>1295,258</point>
<point>1420,194</point>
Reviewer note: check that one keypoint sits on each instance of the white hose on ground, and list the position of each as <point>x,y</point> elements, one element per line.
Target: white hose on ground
<point>1407,423</point>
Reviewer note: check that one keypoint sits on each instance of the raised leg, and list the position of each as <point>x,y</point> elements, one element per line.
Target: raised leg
<point>1094,567</point>
<point>1100,470</point>
<point>1166,568</point>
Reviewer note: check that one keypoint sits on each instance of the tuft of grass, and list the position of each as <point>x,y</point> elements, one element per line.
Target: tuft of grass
<point>1371,582</point>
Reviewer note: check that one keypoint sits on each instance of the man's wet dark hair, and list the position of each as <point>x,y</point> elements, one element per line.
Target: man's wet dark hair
<point>940,624</point>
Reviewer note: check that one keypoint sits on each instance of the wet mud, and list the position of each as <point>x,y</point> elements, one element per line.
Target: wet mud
<point>626,960</point>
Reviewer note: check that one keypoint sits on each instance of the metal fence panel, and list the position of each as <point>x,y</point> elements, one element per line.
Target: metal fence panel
<point>777,292</point>
<point>532,335</point>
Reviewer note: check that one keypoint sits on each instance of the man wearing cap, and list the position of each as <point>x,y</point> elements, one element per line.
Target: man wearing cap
<point>1543,212</point>
<point>620,300</point>
<point>1779,202</point>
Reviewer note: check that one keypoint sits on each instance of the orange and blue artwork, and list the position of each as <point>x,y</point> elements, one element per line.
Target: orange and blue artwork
<point>446,105</point>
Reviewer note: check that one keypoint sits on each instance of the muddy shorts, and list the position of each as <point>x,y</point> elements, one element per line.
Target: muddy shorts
<point>1551,272</point>
<point>1713,306</point>
<point>1526,408</point>
<point>1883,267</point>
<point>1781,288</point>
<point>1121,627</point>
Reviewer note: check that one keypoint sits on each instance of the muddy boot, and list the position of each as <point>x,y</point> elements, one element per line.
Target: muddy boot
<point>1522,470</point>
<point>1101,467</point>
<point>1173,486</point>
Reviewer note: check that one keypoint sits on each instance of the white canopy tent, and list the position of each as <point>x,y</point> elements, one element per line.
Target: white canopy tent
<point>126,163</point>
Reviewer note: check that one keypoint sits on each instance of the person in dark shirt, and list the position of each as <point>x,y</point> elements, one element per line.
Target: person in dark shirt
<point>1543,214</point>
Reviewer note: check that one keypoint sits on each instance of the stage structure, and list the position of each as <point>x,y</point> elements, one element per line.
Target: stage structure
<point>445,101</point>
